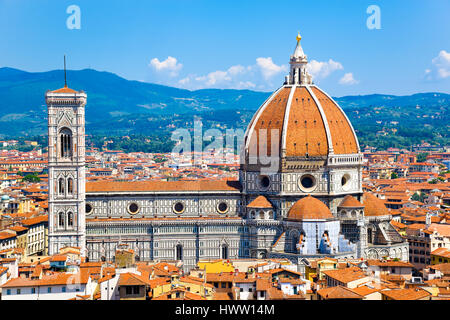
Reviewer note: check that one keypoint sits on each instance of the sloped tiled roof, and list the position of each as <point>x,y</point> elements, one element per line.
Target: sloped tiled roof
<point>260,202</point>
<point>338,292</point>
<point>350,202</point>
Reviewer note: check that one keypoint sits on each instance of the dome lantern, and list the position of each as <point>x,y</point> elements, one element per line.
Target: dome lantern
<point>298,74</point>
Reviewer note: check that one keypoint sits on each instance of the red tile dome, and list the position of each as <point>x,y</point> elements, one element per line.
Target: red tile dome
<point>350,202</point>
<point>309,123</point>
<point>309,208</point>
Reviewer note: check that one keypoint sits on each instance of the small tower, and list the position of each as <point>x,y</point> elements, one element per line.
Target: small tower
<point>66,168</point>
<point>428,219</point>
<point>298,74</point>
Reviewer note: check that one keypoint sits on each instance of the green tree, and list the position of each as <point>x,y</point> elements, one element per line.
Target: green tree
<point>31,178</point>
<point>422,157</point>
<point>394,175</point>
<point>418,196</point>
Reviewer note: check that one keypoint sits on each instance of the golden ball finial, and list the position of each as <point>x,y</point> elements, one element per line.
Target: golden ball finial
<point>299,37</point>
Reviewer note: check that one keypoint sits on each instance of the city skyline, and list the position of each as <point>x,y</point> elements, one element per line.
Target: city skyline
<point>114,188</point>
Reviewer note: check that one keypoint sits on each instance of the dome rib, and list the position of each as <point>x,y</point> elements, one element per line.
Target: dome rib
<point>286,118</point>
<point>307,135</point>
<point>309,124</point>
<point>324,119</point>
<point>251,127</point>
<point>272,117</point>
<point>344,137</point>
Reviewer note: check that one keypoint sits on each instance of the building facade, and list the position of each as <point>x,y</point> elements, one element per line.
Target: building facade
<point>299,192</point>
<point>66,168</point>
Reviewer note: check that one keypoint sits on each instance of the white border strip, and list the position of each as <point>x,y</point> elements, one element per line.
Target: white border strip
<point>257,115</point>
<point>348,121</point>
<point>324,119</point>
<point>286,119</point>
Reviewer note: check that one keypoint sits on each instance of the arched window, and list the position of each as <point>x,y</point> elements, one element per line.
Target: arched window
<point>70,219</point>
<point>295,240</point>
<point>65,143</point>
<point>61,186</point>
<point>61,221</point>
<point>179,252</point>
<point>369,235</point>
<point>261,215</point>
<point>70,186</point>
<point>224,251</point>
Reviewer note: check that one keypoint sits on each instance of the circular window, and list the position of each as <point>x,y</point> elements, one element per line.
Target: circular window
<point>307,183</point>
<point>89,208</point>
<point>222,207</point>
<point>133,208</point>
<point>264,182</point>
<point>178,207</point>
<point>345,182</point>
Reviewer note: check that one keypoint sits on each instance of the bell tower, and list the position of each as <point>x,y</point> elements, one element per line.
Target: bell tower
<point>66,168</point>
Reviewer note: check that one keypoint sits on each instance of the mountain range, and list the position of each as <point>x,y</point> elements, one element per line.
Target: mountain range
<point>117,106</point>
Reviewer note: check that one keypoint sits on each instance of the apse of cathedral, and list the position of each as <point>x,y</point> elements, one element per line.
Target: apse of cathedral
<point>309,204</point>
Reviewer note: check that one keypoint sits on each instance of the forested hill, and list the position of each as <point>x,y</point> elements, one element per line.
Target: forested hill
<point>117,106</point>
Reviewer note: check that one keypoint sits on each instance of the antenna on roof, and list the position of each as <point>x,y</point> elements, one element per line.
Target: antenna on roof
<point>65,77</point>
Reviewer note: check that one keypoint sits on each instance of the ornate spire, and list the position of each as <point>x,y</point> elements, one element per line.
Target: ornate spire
<point>65,77</point>
<point>298,74</point>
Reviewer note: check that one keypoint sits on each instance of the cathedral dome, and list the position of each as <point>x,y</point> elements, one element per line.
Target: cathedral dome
<point>373,206</point>
<point>308,121</point>
<point>309,208</point>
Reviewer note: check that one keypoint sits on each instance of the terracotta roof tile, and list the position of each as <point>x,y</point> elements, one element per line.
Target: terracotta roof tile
<point>406,294</point>
<point>350,202</point>
<point>346,275</point>
<point>151,186</point>
<point>338,292</point>
<point>260,202</point>
<point>309,208</point>
<point>373,205</point>
<point>344,141</point>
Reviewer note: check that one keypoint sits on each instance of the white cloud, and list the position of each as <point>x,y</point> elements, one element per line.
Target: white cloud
<point>170,64</point>
<point>320,70</point>
<point>442,63</point>
<point>215,77</point>
<point>441,66</point>
<point>245,85</point>
<point>348,79</point>
<point>184,81</point>
<point>234,70</point>
<point>228,78</point>
<point>268,68</point>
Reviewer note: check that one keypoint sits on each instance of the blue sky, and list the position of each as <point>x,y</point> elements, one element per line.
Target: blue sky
<point>237,44</point>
